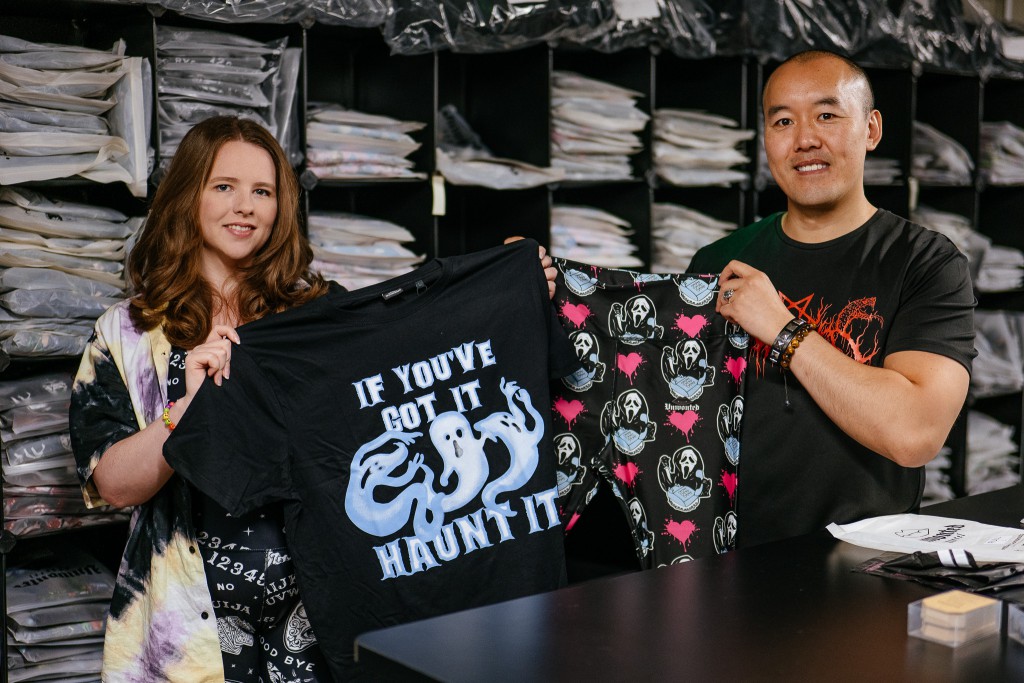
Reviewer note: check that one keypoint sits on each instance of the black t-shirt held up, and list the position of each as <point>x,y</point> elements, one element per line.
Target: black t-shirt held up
<point>405,427</point>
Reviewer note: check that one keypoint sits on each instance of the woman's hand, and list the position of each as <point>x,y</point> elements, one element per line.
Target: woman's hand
<point>210,359</point>
<point>550,272</point>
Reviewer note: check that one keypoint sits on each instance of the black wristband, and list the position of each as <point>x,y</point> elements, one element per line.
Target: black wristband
<point>782,341</point>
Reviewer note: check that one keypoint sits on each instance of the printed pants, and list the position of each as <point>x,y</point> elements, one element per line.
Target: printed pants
<point>655,412</point>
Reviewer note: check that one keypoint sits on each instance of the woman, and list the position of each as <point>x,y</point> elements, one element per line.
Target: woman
<point>200,596</point>
<point>222,246</point>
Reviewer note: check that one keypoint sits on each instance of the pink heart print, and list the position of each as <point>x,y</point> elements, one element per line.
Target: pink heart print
<point>629,363</point>
<point>569,410</point>
<point>691,326</point>
<point>735,367</point>
<point>683,421</point>
<point>681,531</point>
<point>576,313</point>
<point>627,473</point>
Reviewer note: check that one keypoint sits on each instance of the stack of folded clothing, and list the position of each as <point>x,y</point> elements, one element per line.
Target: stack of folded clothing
<point>358,251</point>
<point>694,148</point>
<point>202,73</point>
<point>595,127</point>
<point>61,266</point>
<point>56,611</point>
<point>679,232</point>
<point>41,490</point>
<point>939,159</point>
<point>1002,153</point>
<point>346,144</point>
<point>71,111</point>
<point>589,235</point>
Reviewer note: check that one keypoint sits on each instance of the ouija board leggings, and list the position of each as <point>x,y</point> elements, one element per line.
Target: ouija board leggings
<point>656,409</point>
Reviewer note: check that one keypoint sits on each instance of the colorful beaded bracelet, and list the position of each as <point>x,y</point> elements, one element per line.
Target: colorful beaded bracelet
<point>167,416</point>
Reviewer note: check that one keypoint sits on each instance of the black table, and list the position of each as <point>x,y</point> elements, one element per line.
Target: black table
<point>791,610</point>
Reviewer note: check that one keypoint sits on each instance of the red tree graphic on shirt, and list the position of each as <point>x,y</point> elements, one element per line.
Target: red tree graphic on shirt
<point>855,330</point>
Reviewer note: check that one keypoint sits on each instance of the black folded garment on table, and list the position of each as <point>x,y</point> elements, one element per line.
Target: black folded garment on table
<point>946,570</point>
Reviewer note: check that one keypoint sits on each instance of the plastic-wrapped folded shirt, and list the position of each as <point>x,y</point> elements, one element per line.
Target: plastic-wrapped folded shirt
<point>594,127</point>
<point>678,232</point>
<point>203,72</point>
<point>421,26</point>
<point>781,28</point>
<point>348,12</point>
<point>1002,153</point>
<point>347,144</point>
<point>358,251</point>
<point>241,11</point>
<point>463,159</point>
<point>992,455</point>
<point>591,235</point>
<point>694,148</point>
<point>938,159</point>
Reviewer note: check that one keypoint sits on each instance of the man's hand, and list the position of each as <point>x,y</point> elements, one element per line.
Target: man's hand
<point>748,298</point>
<point>545,261</point>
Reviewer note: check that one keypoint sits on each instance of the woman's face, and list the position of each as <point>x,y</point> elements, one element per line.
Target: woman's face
<point>237,208</point>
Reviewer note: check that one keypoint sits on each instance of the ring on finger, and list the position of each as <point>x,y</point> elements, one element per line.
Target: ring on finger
<point>727,296</point>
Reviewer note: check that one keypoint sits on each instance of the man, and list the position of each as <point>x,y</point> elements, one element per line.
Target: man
<point>870,395</point>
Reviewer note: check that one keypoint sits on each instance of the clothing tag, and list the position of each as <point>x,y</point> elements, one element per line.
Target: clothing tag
<point>391,294</point>
<point>437,187</point>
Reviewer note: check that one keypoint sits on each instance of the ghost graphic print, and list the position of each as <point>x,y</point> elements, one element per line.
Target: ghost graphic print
<point>520,439</point>
<point>730,417</point>
<point>628,422</point>
<point>570,471</point>
<point>588,351</point>
<point>686,370</point>
<point>377,471</point>
<point>391,481</point>
<point>681,477</point>
<point>635,321</point>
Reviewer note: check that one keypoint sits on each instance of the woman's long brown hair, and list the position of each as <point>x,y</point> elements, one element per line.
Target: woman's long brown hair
<point>165,266</point>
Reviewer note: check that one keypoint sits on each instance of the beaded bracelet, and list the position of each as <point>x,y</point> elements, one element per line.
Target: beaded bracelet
<point>787,356</point>
<point>167,416</point>
<point>782,341</point>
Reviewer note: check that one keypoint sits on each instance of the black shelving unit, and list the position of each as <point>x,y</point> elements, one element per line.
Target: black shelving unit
<point>505,97</point>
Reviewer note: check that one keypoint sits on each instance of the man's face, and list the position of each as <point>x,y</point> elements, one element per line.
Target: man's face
<point>817,133</point>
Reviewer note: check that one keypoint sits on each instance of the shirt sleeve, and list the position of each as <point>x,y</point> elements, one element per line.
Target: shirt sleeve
<point>101,413</point>
<point>936,311</point>
<point>562,358</point>
<point>232,441</point>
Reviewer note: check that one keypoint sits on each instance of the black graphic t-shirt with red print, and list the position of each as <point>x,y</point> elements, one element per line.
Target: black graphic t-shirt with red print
<point>886,287</point>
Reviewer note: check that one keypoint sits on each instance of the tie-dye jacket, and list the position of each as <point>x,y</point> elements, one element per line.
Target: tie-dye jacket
<point>161,625</point>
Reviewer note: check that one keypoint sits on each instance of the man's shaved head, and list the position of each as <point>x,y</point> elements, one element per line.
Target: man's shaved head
<point>856,73</point>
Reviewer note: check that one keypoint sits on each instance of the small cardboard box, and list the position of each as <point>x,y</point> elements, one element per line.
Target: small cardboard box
<point>954,618</point>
